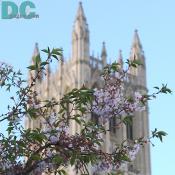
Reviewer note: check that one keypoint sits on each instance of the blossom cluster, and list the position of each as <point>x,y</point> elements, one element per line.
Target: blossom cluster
<point>57,141</point>
<point>51,131</point>
<point>50,146</point>
<point>106,166</point>
<point>111,100</point>
<point>4,71</point>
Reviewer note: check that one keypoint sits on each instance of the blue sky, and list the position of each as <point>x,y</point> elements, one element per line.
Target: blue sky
<point>114,22</point>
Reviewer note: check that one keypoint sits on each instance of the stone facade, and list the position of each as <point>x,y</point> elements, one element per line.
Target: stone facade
<point>83,68</point>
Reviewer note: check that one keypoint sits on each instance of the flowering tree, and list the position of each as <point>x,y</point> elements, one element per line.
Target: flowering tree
<point>52,148</point>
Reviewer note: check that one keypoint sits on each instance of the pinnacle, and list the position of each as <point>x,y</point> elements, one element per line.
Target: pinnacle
<point>120,57</point>
<point>136,40</point>
<point>36,50</point>
<point>80,12</point>
<point>103,52</point>
<point>136,48</point>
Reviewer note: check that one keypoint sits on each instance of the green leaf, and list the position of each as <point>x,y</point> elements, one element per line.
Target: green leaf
<point>125,158</point>
<point>32,67</point>
<point>61,111</point>
<point>45,50</point>
<point>57,160</point>
<point>127,120</point>
<point>10,129</point>
<point>73,158</point>
<point>57,51</point>
<point>55,56</point>
<point>137,62</point>
<point>115,66</point>
<point>44,63</point>
<point>37,59</point>
<point>32,112</point>
<point>77,120</point>
<point>165,90</point>
<point>62,172</point>
<point>35,157</point>
<point>163,133</point>
<point>159,134</point>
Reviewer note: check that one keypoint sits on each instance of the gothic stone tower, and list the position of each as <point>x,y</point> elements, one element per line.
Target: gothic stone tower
<point>83,68</point>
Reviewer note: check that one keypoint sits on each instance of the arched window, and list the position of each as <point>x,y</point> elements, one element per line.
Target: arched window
<point>95,118</point>
<point>67,89</point>
<point>129,130</point>
<point>112,124</point>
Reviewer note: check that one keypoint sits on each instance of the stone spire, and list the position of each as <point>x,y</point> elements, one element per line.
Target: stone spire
<point>120,58</point>
<point>136,40</point>
<point>104,54</point>
<point>35,52</point>
<point>48,72</point>
<point>136,48</point>
<point>61,63</point>
<point>80,36</point>
<point>140,126</point>
<point>33,73</point>
<point>80,48</point>
<point>80,13</point>
<point>61,75</point>
<point>138,54</point>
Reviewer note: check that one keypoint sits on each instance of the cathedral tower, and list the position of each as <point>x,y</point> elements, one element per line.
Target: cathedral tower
<point>140,126</point>
<point>137,53</point>
<point>80,47</point>
<point>104,54</point>
<point>85,69</point>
